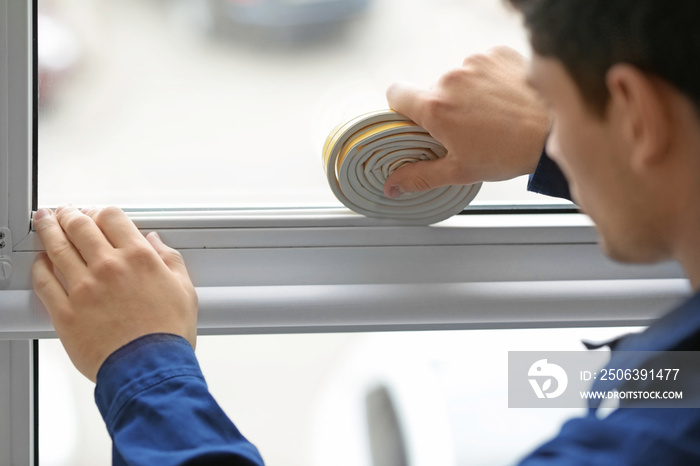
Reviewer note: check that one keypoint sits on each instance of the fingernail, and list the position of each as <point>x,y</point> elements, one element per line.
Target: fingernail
<point>395,191</point>
<point>41,213</point>
<point>60,208</point>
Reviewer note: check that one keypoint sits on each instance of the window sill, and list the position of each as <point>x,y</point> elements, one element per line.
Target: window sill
<point>382,307</point>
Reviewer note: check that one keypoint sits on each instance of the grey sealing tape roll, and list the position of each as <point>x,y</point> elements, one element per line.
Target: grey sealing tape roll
<point>361,154</point>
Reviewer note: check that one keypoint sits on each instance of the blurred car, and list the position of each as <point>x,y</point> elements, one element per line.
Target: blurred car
<point>282,18</point>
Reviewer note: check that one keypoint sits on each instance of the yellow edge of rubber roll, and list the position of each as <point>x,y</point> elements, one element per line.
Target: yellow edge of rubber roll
<point>360,154</point>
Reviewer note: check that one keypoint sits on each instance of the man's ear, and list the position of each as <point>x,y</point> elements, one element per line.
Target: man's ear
<point>638,104</point>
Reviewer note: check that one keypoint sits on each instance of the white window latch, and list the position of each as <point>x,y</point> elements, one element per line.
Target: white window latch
<point>5,257</point>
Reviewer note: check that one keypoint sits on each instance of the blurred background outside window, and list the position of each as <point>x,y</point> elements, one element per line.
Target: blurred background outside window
<point>433,398</point>
<point>227,103</point>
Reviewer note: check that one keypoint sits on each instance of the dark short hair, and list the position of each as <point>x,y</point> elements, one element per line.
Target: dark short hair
<point>660,37</point>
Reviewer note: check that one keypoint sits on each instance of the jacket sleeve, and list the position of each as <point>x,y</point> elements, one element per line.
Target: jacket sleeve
<point>158,410</point>
<point>548,179</point>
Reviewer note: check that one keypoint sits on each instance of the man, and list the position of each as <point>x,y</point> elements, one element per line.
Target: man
<point>621,82</point>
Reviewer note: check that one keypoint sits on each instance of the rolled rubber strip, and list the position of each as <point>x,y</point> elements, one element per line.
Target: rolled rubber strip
<point>361,154</point>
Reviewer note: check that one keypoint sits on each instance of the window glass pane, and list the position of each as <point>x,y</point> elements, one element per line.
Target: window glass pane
<point>181,103</point>
<point>303,398</point>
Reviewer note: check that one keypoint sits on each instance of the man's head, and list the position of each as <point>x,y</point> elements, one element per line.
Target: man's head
<point>660,37</point>
<point>622,80</point>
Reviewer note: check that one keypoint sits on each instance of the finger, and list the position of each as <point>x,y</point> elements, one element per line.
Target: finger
<point>117,227</point>
<point>420,176</point>
<point>47,286</point>
<point>59,248</point>
<point>82,231</point>
<point>407,99</point>
<point>171,257</point>
<point>501,51</point>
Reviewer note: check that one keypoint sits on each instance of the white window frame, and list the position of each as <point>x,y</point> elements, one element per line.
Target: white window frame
<point>313,270</point>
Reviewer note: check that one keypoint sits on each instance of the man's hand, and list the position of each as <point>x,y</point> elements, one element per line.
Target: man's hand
<point>487,116</point>
<point>105,284</point>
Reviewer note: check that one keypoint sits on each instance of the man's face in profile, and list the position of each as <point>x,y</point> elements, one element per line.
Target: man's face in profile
<point>591,151</point>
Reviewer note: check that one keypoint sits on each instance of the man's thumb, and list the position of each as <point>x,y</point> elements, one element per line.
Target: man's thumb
<point>418,176</point>
<point>171,257</point>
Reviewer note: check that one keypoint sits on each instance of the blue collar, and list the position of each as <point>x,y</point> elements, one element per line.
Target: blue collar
<point>672,331</point>
<point>678,330</point>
